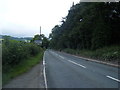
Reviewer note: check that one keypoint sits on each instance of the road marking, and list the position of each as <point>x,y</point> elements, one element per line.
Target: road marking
<point>58,55</point>
<point>77,64</point>
<point>113,78</point>
<point>44,74</point>
<point>43,62</point>
<point>61,57</point>
<point>54,53</point>
<point>71,61</point>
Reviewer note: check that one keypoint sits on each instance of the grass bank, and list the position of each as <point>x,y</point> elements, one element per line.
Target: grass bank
<point>109,54</point>
<point>22,67</point>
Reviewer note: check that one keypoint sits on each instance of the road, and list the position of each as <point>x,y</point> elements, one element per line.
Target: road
<point>67,71</point>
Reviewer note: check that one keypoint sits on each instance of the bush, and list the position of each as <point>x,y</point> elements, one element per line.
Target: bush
<point>14,52</point>
<point>111,53</point>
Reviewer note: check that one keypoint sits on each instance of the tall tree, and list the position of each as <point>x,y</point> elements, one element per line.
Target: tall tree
<point>88,26</point>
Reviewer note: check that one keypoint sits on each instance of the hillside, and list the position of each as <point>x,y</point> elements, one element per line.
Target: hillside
<point>90,27</point>
<point>16,38</point>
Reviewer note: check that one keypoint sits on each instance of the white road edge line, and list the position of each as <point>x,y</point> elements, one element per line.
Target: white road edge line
<point>44,74</point>
<point>77,64</point>
<point>113,78</point>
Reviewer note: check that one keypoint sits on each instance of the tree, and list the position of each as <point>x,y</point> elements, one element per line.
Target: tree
<point>45,42</point>
<point>88,26</point>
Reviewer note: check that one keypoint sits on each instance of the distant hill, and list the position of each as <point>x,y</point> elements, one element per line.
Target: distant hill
<point>16,38</point>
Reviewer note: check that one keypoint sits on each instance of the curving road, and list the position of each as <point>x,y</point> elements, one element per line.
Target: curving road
<point>66,71</point>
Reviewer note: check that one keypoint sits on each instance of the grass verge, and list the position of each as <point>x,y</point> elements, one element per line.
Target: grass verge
<point>23,67</point>
<point>109,54</point>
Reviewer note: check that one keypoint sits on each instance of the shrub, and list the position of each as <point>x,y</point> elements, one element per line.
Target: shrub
<point>111,53</point>
<point>14,52</point>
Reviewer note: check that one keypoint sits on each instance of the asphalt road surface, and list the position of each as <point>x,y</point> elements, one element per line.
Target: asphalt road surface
<point>66,71</point>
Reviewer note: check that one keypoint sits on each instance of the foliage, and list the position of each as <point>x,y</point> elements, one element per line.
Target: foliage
<point>45,42</point>
<point>22,67</point>
<point>88,26</point>
<point>111,53</point>
<point>38,37</point>
<point>14,52</point>
<point>43,39</point>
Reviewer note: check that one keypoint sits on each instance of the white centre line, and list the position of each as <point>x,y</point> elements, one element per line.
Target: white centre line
<point>61,57</point>
<point>77,64</point>
<point>72,62</point>
<point>113,78</point>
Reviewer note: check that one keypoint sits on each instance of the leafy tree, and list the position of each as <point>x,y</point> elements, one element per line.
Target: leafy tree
<point>88,26</point>
<point>45,42</point>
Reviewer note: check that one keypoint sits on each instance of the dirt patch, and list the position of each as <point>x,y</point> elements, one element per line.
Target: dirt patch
<point>31,79</point>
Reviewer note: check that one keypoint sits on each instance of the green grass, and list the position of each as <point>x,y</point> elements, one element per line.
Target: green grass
<point>24,66</point>
<point>110,54</point>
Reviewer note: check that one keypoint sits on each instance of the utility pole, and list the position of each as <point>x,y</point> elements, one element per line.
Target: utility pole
<point>40,30</point>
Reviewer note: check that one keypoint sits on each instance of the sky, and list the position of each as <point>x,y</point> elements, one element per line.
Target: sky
<point>23,18</point>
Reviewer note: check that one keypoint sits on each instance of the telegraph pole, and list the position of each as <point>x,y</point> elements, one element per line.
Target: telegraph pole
<point>40,30</point>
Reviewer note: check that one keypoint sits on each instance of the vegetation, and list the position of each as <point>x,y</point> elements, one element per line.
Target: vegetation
<point>44,40</point>
<point>18,57</point>
<point>22,67</point>
<point>111,53</point>
<point>89,27</point>
<point>27,39</point>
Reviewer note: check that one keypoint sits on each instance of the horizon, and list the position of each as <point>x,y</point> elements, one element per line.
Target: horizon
<point>23,18</point>
<point>17,36</point>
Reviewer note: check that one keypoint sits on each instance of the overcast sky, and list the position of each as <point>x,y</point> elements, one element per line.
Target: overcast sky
<point>23,18</point>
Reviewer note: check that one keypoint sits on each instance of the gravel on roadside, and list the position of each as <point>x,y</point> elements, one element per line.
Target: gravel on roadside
<point>31,79</point>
